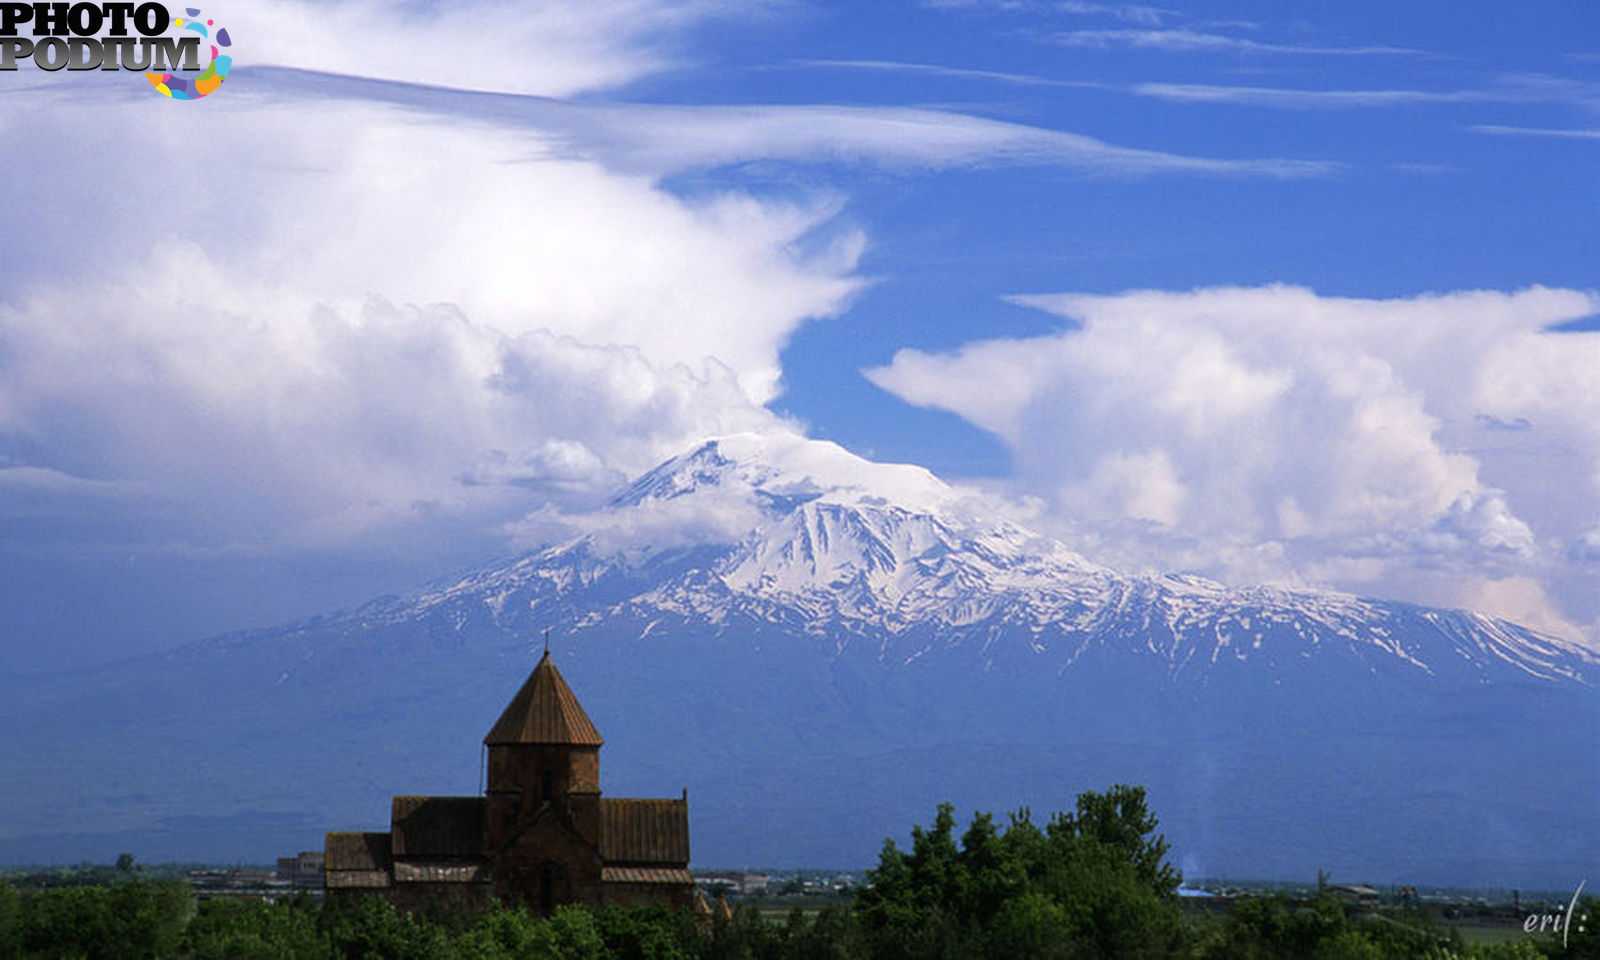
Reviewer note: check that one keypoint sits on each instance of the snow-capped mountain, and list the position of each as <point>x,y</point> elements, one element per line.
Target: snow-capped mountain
<point>822,648</point>
<point>866,553</point>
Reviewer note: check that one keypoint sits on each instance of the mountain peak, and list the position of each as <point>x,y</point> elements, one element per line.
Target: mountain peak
<point>790,468</point>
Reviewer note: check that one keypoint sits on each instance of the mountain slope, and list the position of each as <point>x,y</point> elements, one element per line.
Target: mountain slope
<point>832,554</point>
<point>822,648</point>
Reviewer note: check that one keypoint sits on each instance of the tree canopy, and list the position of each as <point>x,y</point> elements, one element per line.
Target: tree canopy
<point>1090,882</point>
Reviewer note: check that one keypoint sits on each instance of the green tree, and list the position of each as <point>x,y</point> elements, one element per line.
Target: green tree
<point>151,916</point>
<point>503,934</point>
<point>1093,883</point>
<point>1350,945</point>
<point>69,922</point>
<point>911,910</point>
<point>748,937</point>
<point>989,873</point>
<point>830,935</point>
<point>1032,925</point>
<point>647,933</point>
<point>576,935</point>
<point>129,921</point>
<point>370,928</point>
<point>10,923</point>
<point>252,930</point>
<point>1270,928</point>
<point>1522,950</point>
<point>1120,820</point>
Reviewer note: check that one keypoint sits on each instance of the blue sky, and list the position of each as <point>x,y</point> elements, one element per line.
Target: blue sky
<point>1423,202</point>
<point>347,322</point>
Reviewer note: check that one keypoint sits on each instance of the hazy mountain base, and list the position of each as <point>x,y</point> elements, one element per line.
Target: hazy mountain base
<point>797,753</point>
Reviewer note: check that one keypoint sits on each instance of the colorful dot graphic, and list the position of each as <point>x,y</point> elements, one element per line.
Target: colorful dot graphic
<point>210,79</point>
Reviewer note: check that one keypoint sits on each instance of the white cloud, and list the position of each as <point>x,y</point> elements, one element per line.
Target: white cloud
<point>1558,133</point>
<point>675,137</point>
<point>1586,548</point>
<point>303,423</point>
<point>344,199</point>
<point>1139,486</point>
<point>1518,599</point>
<point>712,516</point>
<point>1333,439</point>
<point>376,315</point>
<point>1142,14</point>
<point>1512,88</point>
<point>1307,99</point>
<point>1484,520</point>
<point>936,70</point>
<point>1193,41</point>
<point>1128,12</point>
<point>479,44</point>
<point>658,140</point>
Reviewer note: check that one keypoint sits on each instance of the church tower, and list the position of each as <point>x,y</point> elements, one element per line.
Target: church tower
<point>543,801</point>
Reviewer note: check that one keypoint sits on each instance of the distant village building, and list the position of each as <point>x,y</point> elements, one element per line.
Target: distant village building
<point>542,835</point>
<point>1354,892</point>
<point>735,881</point>
<point>304,870</point>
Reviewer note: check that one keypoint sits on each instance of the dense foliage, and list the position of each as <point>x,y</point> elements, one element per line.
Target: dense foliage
<point>134,920</point>
<point>1090,883</point>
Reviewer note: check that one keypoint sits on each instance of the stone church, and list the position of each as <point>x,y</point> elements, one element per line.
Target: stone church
<point>542,835</point>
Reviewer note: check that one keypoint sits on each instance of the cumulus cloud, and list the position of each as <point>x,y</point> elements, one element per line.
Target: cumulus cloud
<point>1484,520</point>
<point>1138,486</point>
<point>1521,600</point>
<point>1272,431</point>
<point>714,516</point>
<point>395,315</point>
<point>1586,548</point>
<point>292,420</point>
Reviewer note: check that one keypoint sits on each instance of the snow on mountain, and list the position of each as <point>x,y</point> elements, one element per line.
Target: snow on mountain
<point>786,465</point>
<point>864,551</point>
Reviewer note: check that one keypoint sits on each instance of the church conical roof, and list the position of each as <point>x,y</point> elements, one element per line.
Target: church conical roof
<point>545,710</point>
